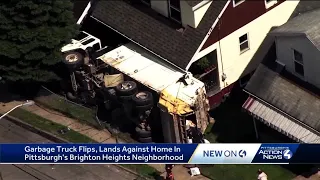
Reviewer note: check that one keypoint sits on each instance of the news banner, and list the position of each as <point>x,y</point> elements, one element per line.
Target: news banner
<point>159,153</point>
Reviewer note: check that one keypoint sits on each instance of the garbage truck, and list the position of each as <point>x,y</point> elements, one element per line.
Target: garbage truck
<point>149,89</point>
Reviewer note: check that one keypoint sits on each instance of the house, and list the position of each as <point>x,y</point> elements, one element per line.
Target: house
<point>214,40</point>
<point>285,91</point>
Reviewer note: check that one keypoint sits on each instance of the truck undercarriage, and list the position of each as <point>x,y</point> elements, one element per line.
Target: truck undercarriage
<point>147,90</point>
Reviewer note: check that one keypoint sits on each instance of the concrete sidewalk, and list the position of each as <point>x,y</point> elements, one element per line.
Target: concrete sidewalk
<point>101,136</point>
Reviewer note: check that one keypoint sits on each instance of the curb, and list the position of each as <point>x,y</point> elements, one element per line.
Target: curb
<point>36,130</point>
<point>55,138</point>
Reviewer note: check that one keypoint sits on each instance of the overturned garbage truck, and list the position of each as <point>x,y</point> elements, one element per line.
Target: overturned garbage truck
<point>138,81</point>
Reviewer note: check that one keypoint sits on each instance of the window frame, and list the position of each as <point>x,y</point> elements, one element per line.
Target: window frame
<point>238,3</point>
<point>240,43</point>
<point>298,62</point>
<point>270,3</point>
<point>175,9</point>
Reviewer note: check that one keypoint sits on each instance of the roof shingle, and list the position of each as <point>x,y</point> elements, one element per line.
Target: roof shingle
<point>304,24</point>
<point>280,91</point>
<point>156,32</point>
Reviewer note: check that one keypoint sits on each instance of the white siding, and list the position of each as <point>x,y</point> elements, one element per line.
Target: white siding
<point>235,63</point>
<point>193,17</point>
<point>160,6</point>
<point>311,56</point>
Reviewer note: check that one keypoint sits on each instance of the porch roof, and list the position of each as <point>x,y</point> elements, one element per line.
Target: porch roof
<point>281,122</point>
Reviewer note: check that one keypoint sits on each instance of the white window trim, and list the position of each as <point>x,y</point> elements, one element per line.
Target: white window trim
<point>269,4</point>
<point>296,61</point>
<point>240,43</point>
<point>174,9</point>
<point>237,4</point>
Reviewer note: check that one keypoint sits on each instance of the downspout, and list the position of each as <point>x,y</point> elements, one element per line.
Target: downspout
<point>183,70</point>
<point>223,76</point>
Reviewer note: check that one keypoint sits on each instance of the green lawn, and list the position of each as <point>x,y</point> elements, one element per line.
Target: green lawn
<point>73,136</point>
<point>234,126</point>
<point>49,126</point>
<point>245,172</point>
<point>60,104</point>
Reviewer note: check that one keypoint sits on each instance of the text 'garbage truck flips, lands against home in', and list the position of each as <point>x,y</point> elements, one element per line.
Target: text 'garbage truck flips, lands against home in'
<point>147,88</point>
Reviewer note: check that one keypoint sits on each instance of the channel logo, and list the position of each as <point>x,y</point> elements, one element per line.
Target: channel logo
<point>242,153</point>
<point>287,154</point>
<point>275,153</point>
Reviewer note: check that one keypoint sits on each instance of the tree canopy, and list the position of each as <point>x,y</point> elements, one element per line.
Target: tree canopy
<point>32,33</point>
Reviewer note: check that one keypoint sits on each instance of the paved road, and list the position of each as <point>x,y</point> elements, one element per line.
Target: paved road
<point>11,133</point>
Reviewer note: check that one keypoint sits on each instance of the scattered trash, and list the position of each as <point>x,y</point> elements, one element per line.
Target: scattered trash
<point>194,171</point>
<point>63,131</point>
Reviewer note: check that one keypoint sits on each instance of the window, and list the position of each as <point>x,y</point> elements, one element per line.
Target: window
<point>174,10</point>
<point>244,43</point>
<point>298,62</point>
<point>96,47</point>
<point>147,2</point>
<point>270,3</point>
<point>237,2</point>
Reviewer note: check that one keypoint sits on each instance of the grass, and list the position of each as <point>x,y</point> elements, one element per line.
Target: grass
<point>143,169</point>
<point>59,104</point>
<point>245,172</point>
<point>73,136</point>
<point>234,126</point>
<point>49,126</point>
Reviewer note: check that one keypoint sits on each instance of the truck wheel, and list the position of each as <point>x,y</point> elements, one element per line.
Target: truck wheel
<point>143,133</point>
<point>142,98</point>
<point>126,88</point>
<point>145,140</point>
<point>73,60</point>
<point>144,108</point>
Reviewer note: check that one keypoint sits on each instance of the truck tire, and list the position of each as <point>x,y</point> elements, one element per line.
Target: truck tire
<point>143,98</point>
<point>145,140</point>
<point>144,108</point>
<point>73,60</point>
<point>126,88</point>
<point>143,133</point>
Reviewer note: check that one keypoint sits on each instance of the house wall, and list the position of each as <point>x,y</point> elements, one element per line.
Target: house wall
<point>311,56</point>
<point>160,6</point>
<point>187,15</point>
<point>200,12</point>
<point>231,62</point>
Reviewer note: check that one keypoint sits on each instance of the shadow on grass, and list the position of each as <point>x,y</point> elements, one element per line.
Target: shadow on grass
<point>232,125</point>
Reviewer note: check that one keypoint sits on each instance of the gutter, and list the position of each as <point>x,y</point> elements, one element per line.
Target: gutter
<point>297,121</point>
<point>182,70</point>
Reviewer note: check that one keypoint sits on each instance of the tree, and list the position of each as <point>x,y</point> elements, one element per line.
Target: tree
<point>31,35</point>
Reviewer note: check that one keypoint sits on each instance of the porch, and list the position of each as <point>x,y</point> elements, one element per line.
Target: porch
<point>206,70</point>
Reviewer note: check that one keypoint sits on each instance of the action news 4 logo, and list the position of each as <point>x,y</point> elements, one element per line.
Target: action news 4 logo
<point>271,153</point>
<point>287,154</point>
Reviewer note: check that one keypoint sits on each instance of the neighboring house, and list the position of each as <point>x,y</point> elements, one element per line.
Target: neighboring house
<point>285,93</point>
<point>215,40</point>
